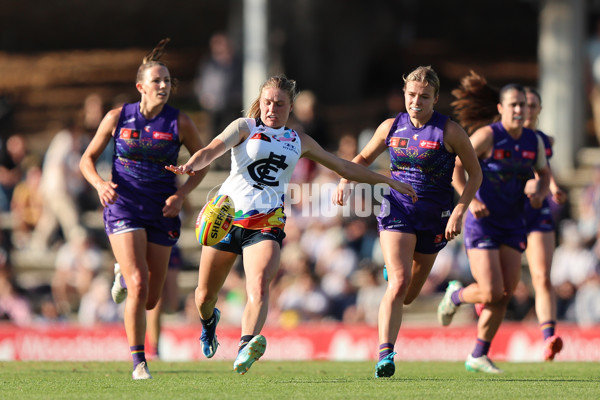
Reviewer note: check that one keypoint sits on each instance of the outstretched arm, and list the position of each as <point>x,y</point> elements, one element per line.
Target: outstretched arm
<point>349,170</point>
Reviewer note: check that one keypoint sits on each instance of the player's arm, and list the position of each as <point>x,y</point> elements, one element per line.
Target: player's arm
<point>349,170</point>
<point>458,142</point>
<point>87,164</point>
<point>366,156</point>
<point>235,133</point>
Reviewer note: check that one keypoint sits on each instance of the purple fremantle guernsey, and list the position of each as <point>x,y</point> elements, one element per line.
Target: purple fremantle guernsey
<point>505,173</point>
<point>142,149</point>
<point>418,157</point>
<point>540,219</point>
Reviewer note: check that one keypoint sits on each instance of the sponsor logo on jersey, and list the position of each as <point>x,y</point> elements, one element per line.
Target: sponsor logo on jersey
<point>500,154</point>
<point>128,133</point>
<point>428,144</point>
<point>287,136</point>
<point>530,155</point>
<point>399,142</point>
<point>162,135</point>
<point>261,136</point>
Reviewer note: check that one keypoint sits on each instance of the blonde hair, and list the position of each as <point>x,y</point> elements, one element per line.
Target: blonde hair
<point>153,59</point>
<point>424,74</point>
<point>277,82</point>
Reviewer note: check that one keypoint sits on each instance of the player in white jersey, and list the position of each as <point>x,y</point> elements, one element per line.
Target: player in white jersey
<point>264,153</point>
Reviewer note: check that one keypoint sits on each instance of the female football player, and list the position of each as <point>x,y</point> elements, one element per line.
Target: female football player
<point>264,153</point>
<point>141,200</point>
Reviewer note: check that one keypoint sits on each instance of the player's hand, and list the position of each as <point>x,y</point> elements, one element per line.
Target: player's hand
<point>106,192</point>
<point>173,206</point>
<point>454,226</point>
<point>181,169</point>
<point>405,188</point>
<point>342,193</point>
<point>478,209</point>
<point>560,196</point>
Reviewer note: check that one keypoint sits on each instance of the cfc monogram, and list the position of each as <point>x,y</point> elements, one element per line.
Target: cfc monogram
<point>260,170</point>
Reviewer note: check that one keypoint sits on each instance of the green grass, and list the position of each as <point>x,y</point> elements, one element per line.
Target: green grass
<point>315,380</point>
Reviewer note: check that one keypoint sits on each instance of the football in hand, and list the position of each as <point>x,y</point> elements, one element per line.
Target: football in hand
<point>215,220</point>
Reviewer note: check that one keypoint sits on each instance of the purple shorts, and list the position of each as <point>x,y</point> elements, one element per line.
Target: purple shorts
<point>481,234</point>
<point>159,229</point>
<point>427,221</point>
<point>539,219</point>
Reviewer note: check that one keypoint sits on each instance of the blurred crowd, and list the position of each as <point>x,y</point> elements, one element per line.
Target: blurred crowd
<point>331,266</point>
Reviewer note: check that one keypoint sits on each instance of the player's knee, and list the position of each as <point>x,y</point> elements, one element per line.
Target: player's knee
<point>204,296</point>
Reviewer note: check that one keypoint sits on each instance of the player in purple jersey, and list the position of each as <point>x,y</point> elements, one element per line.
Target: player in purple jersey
<point>495,234</point>
<point>423,146</point>
<point>141,200</point>
<point>541,241</point>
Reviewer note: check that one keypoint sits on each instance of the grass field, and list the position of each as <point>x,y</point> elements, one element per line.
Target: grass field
<point>318,380</point>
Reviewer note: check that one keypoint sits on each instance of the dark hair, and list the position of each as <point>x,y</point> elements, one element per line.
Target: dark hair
<point>278,82</point>
<point>509,87</point>
<point>534,91</point>
<point>476,102</point>
<point>152,59</point>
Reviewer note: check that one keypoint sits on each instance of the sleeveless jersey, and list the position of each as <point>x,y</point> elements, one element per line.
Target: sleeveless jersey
<point>418,157</point>
<point>142,149</point>
<point>261,168</point>
<point>505,173</point>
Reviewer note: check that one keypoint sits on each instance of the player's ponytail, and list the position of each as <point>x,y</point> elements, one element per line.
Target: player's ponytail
<point>476,102</point>
<point>154,58</point>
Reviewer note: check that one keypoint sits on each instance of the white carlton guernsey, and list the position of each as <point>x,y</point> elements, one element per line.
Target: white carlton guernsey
<point>261,168</point>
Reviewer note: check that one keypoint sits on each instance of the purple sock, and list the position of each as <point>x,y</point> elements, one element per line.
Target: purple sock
<point>481,348</point>
<point>455,297</point>
<point>548,328</point>
<point>123,284</point>
<point>385,349</point>
<point>138,354</point>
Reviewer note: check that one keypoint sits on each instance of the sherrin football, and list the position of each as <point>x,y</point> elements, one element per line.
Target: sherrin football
<point>215,220</point>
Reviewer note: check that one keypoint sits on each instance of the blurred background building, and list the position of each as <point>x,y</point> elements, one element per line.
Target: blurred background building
<point>349,55</point>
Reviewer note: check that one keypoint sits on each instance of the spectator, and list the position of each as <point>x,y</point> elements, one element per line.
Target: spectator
<point>589,209</point>
<point>12,155</point>
<point>218,83</point>
<point>61,185</point>
<point>26,206</point>
<point>78,261</point>
<point>96,304</point>
<point>593,75</point>
<point>573,264</point>
<point>370,291</point>
<point>14,307</point>
<point>306,117</point>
